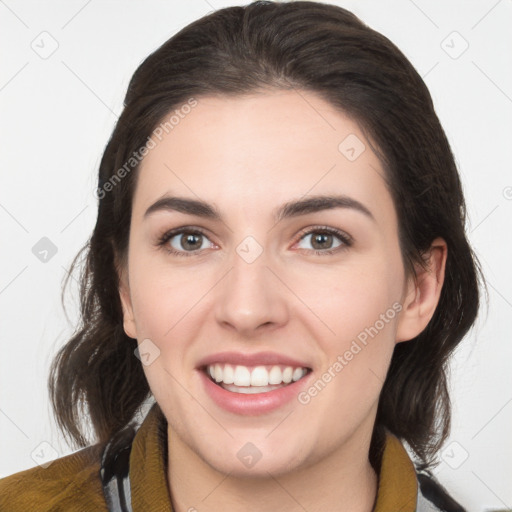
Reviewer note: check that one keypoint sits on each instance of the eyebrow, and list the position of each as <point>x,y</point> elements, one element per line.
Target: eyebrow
<point>290,209</point>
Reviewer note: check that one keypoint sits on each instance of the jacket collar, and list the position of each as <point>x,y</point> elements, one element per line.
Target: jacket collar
<point>397,487</point>
<point>148,463</point>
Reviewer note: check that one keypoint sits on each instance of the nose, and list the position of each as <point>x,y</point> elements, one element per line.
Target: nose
<point>251,298</point>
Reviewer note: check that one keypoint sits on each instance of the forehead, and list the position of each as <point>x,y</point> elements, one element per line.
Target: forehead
<point>257,151</point>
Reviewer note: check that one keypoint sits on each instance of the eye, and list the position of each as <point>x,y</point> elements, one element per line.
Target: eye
<point>323,238</point>
<point>175,243</point>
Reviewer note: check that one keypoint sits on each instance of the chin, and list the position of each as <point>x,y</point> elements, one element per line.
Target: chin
<point>254,460</point>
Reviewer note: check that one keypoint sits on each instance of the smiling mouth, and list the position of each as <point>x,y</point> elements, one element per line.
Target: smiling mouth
<point>258,379</point>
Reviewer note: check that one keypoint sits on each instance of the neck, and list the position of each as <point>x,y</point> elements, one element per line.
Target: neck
<point>343,481</point>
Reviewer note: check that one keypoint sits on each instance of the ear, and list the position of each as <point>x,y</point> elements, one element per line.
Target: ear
<point>422,293</point>
<point>126,302</point>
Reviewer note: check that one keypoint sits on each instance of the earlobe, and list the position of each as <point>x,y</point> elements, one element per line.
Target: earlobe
<point>423,293</point>
<point>126,303</point>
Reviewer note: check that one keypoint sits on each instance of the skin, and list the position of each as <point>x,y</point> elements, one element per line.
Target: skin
<point>247,156</point>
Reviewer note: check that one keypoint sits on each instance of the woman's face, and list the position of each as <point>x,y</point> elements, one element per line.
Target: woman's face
<point>251,282</point>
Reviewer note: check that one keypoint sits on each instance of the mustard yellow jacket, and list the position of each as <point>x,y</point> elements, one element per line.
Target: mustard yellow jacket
<point>72,483</point>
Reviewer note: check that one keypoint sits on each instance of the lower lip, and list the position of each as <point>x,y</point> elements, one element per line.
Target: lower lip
<point>253,404</point>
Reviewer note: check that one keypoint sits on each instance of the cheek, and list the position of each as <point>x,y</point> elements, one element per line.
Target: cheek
<point>355,297</point>
<point>170,305</point>
<point>158,297</point>
<point>361,313</point>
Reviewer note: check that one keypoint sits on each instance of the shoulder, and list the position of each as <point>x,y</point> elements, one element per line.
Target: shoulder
<point>68,483</point>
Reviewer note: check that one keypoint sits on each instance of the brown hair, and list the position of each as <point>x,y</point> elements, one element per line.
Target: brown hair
<point>294,45</point>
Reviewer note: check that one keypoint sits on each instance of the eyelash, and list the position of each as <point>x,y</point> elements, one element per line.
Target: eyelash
<point>346,239</point>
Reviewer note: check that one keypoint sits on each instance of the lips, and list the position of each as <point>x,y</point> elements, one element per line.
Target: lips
<point>245,398</point>
<point>263,401</point>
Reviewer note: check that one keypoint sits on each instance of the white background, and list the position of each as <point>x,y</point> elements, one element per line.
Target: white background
<point>57,114</point>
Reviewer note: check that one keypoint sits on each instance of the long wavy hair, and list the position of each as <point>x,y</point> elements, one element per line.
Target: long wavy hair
<point>299,45</point>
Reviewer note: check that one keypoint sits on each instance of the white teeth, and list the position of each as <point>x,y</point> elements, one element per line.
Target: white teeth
<point>242,376</point>
<point>249,390</point>
<point>259,376</point>
<point>218,373</point>
<point>275,376</point>
<point>288,374</point>
<point>297,374</point>
<point>228,374</point>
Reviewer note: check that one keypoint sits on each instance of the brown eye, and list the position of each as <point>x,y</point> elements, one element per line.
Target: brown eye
<point>190,242</point>
<point>326,240</point>
<point>184,242</point>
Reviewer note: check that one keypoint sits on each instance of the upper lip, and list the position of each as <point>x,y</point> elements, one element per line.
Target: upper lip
<point>256,359</point>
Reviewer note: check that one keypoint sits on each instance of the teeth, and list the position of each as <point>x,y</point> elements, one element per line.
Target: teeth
<point>297,374</point>
<point>275,376</point>
<point>218,373</point>
<point>258,376</point>
<point>227,374</point>
<point>242,376</point>
<point>250,390</point>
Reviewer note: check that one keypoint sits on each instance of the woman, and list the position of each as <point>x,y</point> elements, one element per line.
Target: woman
<point>280,242</point>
